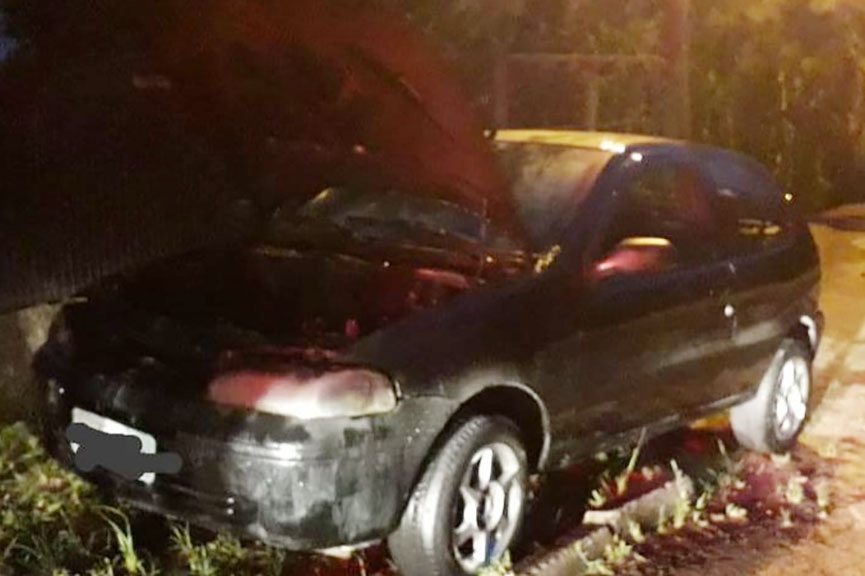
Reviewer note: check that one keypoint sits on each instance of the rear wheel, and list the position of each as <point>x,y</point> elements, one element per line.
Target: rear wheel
<point>772,420</point>
<point>468,507</point>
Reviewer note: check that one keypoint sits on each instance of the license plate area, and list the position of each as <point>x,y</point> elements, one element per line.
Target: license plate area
<point>109,426</point>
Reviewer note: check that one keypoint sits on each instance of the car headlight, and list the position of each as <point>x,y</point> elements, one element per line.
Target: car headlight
<point>344,392</point>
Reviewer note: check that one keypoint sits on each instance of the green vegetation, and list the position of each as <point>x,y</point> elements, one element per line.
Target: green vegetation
<point>48,515</point>
<point>722,492</point>
<point>781,80</point>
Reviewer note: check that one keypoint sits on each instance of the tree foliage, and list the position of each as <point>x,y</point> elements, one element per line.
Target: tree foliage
<point>782,80</point>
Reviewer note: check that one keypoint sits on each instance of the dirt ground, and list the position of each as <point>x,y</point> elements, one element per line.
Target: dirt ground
<point>837,430</point>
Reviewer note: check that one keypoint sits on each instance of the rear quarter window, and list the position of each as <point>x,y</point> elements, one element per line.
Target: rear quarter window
<point>750,205</point>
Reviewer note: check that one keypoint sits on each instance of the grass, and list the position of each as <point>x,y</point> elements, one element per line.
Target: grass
<point>128,557</point>
<point>613,486</point>
<point>594,566</point>
<point>502,568</point>
<point>53,523</point>
<point>724,496</point>
<point>47,513</point>
<point>224,555</point>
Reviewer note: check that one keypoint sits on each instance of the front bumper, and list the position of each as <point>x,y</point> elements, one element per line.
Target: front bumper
<point>301,485</point>
<point>816,329</point>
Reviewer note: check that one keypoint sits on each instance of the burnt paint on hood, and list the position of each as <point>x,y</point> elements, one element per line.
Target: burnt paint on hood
<point>228,110</point>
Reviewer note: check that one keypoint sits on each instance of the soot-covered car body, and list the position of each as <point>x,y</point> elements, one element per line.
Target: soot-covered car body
<point>382,363</point>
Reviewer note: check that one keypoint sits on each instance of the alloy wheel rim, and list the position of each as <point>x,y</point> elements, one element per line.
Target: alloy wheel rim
<point>791,400</point>
<point>488,508</point>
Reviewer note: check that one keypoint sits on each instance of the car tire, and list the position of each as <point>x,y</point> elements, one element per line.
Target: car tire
<point>773,418</point>
<point>477,476</point>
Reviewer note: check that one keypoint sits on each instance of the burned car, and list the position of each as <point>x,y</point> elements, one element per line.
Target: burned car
<point>383,364</point>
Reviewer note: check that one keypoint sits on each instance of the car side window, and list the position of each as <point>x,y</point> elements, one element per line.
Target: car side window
<point>748,202</point>
<point>666,201</point>
<point>747,220</point>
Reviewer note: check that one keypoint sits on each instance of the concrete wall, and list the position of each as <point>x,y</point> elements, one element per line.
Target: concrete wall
<point>21,334</point>
<point>17,392</point>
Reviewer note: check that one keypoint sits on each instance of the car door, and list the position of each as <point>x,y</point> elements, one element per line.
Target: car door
<point>655,339</point>
<point>759,242</point>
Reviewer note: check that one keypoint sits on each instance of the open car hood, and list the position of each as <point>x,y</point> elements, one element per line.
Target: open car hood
<point>232,109</point>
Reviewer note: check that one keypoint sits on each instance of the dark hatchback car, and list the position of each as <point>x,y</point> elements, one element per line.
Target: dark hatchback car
<point>390,365</point>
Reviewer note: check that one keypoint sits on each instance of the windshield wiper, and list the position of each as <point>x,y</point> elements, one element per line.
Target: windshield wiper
<point>405,229</point>
<point>300,228</point>
<point>366,230</point>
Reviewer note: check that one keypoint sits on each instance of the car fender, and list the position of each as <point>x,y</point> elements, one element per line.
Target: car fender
<point>508,398</point>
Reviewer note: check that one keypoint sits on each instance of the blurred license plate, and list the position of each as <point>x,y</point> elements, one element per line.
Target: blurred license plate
<point>109,426</point>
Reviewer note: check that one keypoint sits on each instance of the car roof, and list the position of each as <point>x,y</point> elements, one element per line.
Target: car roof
<point>728,169</point>
<point>607,141</point>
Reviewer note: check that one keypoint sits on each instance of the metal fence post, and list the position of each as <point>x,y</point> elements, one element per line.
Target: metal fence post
<point>675,49</point>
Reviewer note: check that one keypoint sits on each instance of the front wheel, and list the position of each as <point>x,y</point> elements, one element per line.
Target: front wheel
<point>468,507</point>
<point>772,420</point>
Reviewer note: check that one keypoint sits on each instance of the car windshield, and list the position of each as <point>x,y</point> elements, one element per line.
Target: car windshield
<point>393,212</point>
<point>548,184</point>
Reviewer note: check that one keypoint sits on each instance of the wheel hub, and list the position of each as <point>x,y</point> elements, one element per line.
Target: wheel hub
<point>488,507</point>
<point>791,400</point>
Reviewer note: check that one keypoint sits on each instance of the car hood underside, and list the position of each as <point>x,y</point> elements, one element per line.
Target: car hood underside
<point>214,118</point>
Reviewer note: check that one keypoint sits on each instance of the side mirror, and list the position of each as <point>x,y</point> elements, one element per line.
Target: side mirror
<point>636,255</point>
